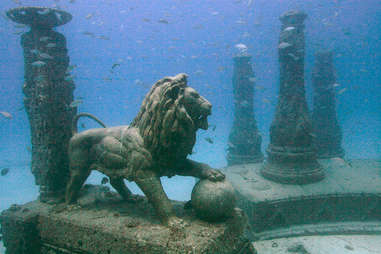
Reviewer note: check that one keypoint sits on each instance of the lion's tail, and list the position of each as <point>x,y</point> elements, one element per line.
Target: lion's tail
<point>74,128</point>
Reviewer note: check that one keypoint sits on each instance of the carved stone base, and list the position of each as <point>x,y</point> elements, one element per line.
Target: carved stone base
<point>234,159</point>
<point>105,224</point>
<point>292,166</point>
<point>346,201</point>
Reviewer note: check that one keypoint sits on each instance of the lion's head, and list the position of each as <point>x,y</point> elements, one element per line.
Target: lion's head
<point>169,117</point>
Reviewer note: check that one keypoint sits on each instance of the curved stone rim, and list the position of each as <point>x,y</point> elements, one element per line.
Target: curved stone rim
<point>293,17</point>
<point>39,16</point>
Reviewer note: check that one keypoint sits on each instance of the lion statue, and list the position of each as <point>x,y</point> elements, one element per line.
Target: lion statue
<point>156,144</point>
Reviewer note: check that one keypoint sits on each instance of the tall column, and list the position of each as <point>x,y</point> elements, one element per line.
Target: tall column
<point>48,94</point>
<point>291,155</point>
<point>325,125</point>
<point>244,140</point>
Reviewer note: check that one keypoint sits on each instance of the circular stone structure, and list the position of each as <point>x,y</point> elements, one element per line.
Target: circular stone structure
<point>39,16</point>
<point>213,201</point>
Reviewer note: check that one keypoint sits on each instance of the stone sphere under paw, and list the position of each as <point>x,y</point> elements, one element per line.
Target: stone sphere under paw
<point>213,201</point>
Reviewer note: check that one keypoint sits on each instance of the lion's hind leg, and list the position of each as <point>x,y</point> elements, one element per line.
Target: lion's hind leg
<point>122,189</point>
<point>77,179</point>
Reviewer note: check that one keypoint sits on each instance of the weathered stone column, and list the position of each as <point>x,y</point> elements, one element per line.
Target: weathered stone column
<point>48,93</point>
<point>291,155</point>
<point>244,140</point>
<point>324,120</point>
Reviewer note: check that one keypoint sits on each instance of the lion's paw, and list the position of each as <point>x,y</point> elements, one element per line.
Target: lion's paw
<point>215,175</point>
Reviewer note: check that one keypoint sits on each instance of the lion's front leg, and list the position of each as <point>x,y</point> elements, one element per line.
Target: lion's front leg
<point>200,170</point>
<point>152,188</point>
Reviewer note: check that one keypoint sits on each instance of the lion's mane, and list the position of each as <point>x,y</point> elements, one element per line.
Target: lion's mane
<point>168,131</point>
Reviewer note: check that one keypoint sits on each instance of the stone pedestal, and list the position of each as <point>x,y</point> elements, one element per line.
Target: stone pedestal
<point>325,125</point>
<point>244,140</point>
<point>291,155</point>
<point>48,92</point>
<point>346,201</point>
<point>104,224</point>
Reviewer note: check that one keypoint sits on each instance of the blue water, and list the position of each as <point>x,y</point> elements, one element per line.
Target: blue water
<point>198,39</point>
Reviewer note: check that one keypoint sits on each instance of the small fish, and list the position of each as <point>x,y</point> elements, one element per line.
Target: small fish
<point>259,87</point>
<point>341,91</point>
<point>198,72</point>
<point>115,65</point>
<point>104,180</point>
<point>257,23</point>
<point>197,27</point>
<point>4,171</point>
<point>69,78</point>
<point>266,100</point>
<point>163,21</point>
<point>284,45</point>
<point>347,31</point>
<point>44,38</point>
<point>221,68</point>
<point>58,16</point>
<point>38,63</point>
<point>252,79</point>
<point>89,16</point>
<point>20,26</point>
<point>51,45</point>
<point>6,114</point>
<point>246,35</point>
<point>209,140</point>
<point>88,33</point>
<point>44,11</point>
<point>45,56</point>
<point>249,3</point>
<point>71,67</point>
<point>39,78</point>
<point>336,85</point>
<point>75,103</point>
<point>244,103</point>
<point>34,51</point>
<point>139,82</point>
<point>83,126</point>
<point>293,56</point>
<point>241,22</point>
<point>231,145</point>
<point>146,20</point>
<point>214,13</point>
<point>102,37</point>
<point>289,28</point>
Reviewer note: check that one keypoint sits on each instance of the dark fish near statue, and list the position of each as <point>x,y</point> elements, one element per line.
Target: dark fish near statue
<point>4,171</point>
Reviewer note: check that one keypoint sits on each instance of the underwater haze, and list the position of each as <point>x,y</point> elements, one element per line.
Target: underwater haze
<point>119,48</point>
